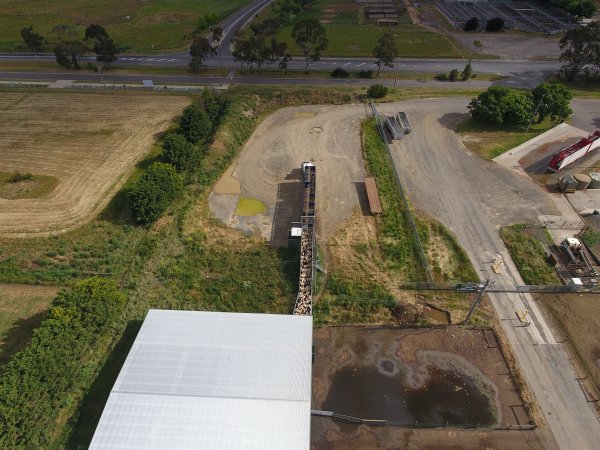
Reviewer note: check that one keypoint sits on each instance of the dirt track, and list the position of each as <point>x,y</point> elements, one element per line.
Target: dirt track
<point>90,142</point>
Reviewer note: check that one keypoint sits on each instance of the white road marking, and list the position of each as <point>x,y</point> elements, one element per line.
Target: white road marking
<point>361,64</point>
<point>347,64</point>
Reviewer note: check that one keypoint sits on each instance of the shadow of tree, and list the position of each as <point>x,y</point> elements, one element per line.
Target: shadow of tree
<point>452,120</point>
<point>18,336</point>
<point>118,211</point>
<point>90,410</point>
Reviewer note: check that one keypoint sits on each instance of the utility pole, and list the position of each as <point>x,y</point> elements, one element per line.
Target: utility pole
<point>482,287</point>
<point>534,113</point>
<point>396,76</point>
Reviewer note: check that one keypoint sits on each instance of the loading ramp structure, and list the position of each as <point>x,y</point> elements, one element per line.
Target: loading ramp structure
<point>303,304</point>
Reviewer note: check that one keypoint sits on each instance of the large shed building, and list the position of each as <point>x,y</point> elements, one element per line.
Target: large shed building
<point>209,380</point>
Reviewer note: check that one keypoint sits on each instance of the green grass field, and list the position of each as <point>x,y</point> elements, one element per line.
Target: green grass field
<point>34,186</point>
<point>528,254</point>
<point>490,141</point>
<point>359,40</point>
<point>152,26</point>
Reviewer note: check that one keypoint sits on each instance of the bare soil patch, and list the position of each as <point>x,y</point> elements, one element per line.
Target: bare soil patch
<point>89,142</point>
<point>578,316</point>
<point>414,352</point>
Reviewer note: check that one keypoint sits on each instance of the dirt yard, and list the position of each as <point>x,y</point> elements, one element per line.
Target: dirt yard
<point>411,358</point>
<point>578,315</point>
<point>89,142</point>
<point>268,169</point>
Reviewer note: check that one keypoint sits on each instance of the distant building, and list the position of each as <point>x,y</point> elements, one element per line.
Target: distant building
<point>213,380</point>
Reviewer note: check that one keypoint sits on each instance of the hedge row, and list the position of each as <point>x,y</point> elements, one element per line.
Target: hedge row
<point>183,150</point>
<point>39,381</point>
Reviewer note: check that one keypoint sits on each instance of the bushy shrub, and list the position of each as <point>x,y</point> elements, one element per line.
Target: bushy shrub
<point>195,124</point>
<point>365,74</point>
<point>60,360</point>
<point>154,191</point>
<point>453,75</point>
<point>18,176</point>
<point>467,72</point>
<point>377,91</point>
<point>338,72</point>
<point>472,24</point>
<point>441,77</point>
<point>502,106</point>
<point>214,105</point>
<point>495,24</point>
<point>181,153</point>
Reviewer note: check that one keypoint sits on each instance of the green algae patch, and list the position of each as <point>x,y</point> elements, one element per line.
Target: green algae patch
<point>250,207</point>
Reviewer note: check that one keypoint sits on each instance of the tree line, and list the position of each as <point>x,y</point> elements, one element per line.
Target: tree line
<point>182,151</point>
<point>68,53</point>
<point>62,358</point>
<point>580,49</point>
<point>499,105</point>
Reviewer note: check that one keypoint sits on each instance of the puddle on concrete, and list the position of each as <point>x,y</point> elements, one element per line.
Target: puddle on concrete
<point>446,397</point>
<point>227,184</point>
<point>250,207</point>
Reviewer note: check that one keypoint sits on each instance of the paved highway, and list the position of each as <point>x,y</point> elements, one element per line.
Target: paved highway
<point>520,73</point>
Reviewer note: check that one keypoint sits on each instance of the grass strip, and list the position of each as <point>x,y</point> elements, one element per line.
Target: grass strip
<point>528,254</point>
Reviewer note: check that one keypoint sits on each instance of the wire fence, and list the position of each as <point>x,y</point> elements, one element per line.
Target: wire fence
<point>409,216</point>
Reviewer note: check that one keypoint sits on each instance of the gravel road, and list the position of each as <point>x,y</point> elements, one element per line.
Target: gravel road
<point>474,198</point>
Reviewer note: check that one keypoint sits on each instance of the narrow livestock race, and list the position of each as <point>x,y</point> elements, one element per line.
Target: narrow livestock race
<point>307,241</point>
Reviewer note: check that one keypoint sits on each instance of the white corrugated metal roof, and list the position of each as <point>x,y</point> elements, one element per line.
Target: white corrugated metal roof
<point>213,381</point>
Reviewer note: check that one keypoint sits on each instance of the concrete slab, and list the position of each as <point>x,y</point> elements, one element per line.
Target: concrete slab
<point>585,201</point>
<point>527,156</point>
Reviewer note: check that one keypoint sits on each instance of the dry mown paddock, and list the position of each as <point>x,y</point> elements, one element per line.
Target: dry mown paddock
<point>90,142</point>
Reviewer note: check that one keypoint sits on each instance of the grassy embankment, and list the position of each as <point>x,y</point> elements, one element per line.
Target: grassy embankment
<point>528,254</point>
<point>490,141</point>
<point>371,258</point>
<point>137,26</point>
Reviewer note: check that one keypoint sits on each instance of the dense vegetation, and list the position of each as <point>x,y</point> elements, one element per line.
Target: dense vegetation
<point>580,49</point>
<point>581,8</point>
<point>62,358</point>
<point>154,192</point>
<point>504,106</point>
<point>183,149</point>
